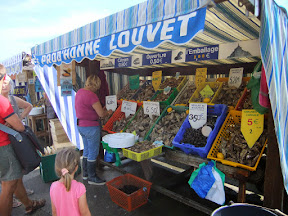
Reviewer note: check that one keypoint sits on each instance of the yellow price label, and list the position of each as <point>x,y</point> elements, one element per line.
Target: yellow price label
<point>207,92</point>
<point>200,76</point>
<point>156,79</point>
<point>252,124</point>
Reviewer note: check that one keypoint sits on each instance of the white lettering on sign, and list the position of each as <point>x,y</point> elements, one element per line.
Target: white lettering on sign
<point>235,77</point>
<point>140,36</point>
<point>151,108</point>
<point>197,114</point>
<point>129,108</point>
<point>111,102</point>
<point>184,23</point>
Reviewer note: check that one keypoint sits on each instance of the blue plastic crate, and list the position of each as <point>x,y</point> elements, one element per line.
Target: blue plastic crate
<point>219,110</point>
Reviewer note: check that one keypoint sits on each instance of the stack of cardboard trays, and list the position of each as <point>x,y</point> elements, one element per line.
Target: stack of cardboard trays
<point>59,136</point>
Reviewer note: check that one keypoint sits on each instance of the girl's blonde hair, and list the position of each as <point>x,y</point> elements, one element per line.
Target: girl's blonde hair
<point>66,159</point>
<point>93,82</point>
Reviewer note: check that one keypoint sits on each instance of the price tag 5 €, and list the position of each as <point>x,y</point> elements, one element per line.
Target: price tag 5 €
<point>151,108</point>
<point>129,108</point>
<point>252,124</point>
<point>111,102</point>
<point>197,114</point>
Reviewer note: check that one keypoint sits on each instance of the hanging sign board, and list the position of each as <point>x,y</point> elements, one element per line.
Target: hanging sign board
<point>111,102</point>
<point>129,108</point>
<point>20,91</point>
<point>197,114</point>
<point>252,124</point>
<point>151,108</point>
<point>235,77</point>
<point>123,62</point>
<point>200,76</point>
<point>202,53</point>
<point>157,58</point>
<point>134,82</point>
<point>156,79</point>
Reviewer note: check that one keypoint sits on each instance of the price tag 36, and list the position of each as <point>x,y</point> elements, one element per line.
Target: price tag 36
<point>197,114</point>
<point>129,108</point>
<point>151,108</point>
<point>252,124</point>
<point>235,77</point>
<point>111,102</point>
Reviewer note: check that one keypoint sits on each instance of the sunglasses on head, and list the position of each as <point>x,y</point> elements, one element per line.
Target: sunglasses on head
<point>2,76</point>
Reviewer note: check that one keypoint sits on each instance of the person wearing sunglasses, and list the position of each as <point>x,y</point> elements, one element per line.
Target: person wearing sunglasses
<point>10,168</point>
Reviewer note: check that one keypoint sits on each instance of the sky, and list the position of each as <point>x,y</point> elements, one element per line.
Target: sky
<point>25,23</point>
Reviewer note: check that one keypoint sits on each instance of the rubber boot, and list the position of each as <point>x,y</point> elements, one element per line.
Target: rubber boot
<point>84,166</point>
<point>92,177</point>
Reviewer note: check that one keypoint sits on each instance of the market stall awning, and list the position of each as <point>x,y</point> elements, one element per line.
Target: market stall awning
<point>14,64</point>
<point>153,27</point>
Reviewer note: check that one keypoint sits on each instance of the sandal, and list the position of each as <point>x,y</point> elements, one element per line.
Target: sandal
<point>36,204</point>
<point>16,203</point>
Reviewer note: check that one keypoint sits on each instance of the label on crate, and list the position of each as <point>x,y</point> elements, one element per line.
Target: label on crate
<point>111,102</point>
<point>197,114</point>
<point>235,77</point>
<point>151,108</point>
<point>252,124</point>
<point>167,90</point>
<point>177,75</point>
<point>134,82</point>
<point>128,107</point>
<point>200,76</point>
<point>207,92</point>
<point>156,79</point>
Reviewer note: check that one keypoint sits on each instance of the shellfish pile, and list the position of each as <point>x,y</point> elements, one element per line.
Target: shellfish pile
<point>172,82</point>
<point>163,97</point>
<point>142,146</point>
<point>119,125</point>
<point>229,95</point>
<point>141,124</point>
<point>145,93</point>
<point>247,103</point>
<point>235,148</point>
<point>166,129</point>
<point>186,95</point>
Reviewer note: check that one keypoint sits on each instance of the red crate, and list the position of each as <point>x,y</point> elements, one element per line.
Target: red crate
<point>117,115</point>
<point>129,201</point>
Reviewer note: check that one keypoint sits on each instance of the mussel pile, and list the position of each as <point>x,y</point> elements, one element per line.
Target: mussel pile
<point>186,95</point>
<point>142,146</point>
<point>229,95</point>
<point>167,127</point>
<point>141,124</point>
<point>172,82</point>
<point>195,136</point>
<point>146,93</point>
<point>119,125</point>
<point>235,148</point>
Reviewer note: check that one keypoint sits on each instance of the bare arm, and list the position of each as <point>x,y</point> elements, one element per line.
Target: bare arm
<point>23,105</point>
<point>54,213</point>
<point>99,110</point>
<point>15,122</point>
<point>83,206</point>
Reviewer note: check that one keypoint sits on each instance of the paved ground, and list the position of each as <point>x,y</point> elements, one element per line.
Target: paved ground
<point>99,200</point>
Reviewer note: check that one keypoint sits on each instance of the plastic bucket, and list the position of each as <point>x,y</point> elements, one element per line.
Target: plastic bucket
<point>242,209</point>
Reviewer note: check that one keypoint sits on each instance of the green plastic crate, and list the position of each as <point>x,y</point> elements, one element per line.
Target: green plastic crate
<point>164,113</point>
<point>167,102</point>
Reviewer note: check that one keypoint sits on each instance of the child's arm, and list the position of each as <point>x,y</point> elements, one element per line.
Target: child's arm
<point>54,213</point>
<point>83,206</point>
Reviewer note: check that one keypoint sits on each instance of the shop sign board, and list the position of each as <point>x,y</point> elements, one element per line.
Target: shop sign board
<point>136,61</point>
<point>252,124</point>
<point>66,87</point>
<point>202,53</point>
<point>157,58</point>
<point>200,76</point>
<point>20,91</point>
<point>123,62</point>
<point>128,107</point>
<point>151,108</point>
<point>197,114</point>
<point>235,77</point>
<point>111,102</point>
<point>134,82</point>
<point>156,79</point>
<point>178,55</point>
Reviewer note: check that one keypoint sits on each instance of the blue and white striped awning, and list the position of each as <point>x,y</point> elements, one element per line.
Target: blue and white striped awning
<point>14,64</point>
<point>274,41</point>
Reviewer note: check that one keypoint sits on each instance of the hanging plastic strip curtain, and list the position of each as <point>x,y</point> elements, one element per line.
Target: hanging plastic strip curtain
<point>64,107</point>
<point>273,42</point>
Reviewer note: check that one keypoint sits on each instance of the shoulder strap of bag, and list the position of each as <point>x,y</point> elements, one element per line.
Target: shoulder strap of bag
<point>14,133</point>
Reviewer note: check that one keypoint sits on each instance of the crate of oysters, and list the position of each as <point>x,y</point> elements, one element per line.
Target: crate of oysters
<point>106,118</point>
<point>230,95</point>
<point>118,120</point>
<point>167,125</point>
<point>174,82</point>
<point>143,150</point>
<point>145,92</point>
<point>126,93</point>
<point>185,94</point>
<point>245,102</point>
<point>231,148</point>
<point>206,92</point>
<point>165,97</point>
<point>198,141</point>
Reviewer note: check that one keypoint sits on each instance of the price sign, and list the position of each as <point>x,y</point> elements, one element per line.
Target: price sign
<point>134,82</point>
<point>197,114</point>
<point>156,79</point>
<point>200,76</point>
<point>151,108</point>
<point>235,77</point>
<point>177,75</point>
<point>207,92</point>
<point>129,108</point>
<point>252,124</point>
<point>111,102</point>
